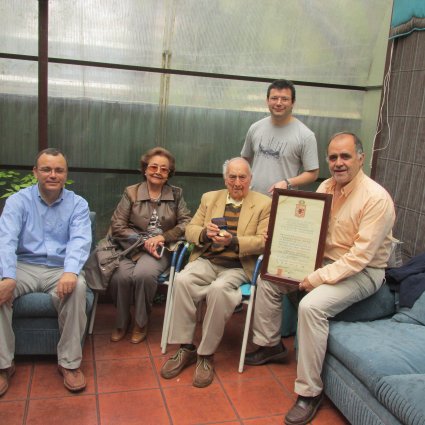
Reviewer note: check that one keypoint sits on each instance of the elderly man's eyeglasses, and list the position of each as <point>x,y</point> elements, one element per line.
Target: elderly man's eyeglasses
<point>154,168</point>
<point>48,170</point>
<point>334,157</point>
<point>283,99</point>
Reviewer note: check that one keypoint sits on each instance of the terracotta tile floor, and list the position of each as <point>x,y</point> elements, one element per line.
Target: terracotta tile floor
<point>124,386</point>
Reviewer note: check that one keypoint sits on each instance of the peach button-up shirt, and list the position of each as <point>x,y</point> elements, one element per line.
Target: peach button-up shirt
<point>360,229</point>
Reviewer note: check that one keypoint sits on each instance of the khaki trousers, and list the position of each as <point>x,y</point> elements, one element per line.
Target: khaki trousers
<point>219,286</point>
<point>71,313</point>
<point>314,310</point>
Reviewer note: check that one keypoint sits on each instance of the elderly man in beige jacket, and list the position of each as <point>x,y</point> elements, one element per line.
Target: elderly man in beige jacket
<point>221,261</point>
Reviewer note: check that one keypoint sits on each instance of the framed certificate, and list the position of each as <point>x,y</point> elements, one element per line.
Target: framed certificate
<point>296,235</point>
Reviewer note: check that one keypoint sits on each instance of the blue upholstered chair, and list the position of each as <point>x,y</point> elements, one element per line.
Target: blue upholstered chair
<point>35,320</point>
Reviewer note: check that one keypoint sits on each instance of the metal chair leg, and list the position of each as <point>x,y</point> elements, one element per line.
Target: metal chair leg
<point>167,313</point>
<point>246,330</point>
<point>93,312</point>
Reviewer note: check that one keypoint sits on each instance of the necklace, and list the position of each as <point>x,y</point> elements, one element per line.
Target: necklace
<point>154,198</point>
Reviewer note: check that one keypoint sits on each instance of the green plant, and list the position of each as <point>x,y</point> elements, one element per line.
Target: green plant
<point>12,182</point>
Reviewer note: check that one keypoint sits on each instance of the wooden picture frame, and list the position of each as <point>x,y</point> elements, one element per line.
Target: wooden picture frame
<point>296,235</point>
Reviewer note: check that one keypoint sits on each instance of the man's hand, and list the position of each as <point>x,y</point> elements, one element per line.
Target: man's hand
<point>66,284</point>
<point>279,185</point>
<point>217,235</point>
<point>223,238</point>
<point>213,230</point>
<point>7,286</point>
<point>305,285</point>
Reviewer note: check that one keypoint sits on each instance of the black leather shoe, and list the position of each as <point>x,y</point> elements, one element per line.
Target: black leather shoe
<point>264,355</point>
<point>304,410</point>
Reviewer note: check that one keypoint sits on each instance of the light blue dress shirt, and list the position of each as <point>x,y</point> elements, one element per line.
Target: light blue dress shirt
<point>57,235</point>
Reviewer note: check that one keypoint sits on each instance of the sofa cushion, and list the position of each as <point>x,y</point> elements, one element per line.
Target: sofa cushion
<point>373,350</point>
<point>35,332</point>
<point>404,396</point>
<point>379,305</point>
<point>36,304</point>
<point>414,315</point>
<point>39,304</point>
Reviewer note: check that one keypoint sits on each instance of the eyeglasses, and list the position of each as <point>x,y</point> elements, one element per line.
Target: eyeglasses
<point>48,170</point>
<point>334,157</point>
<point>155,168</point>
<point>284,99</point>
<point>232,178</point>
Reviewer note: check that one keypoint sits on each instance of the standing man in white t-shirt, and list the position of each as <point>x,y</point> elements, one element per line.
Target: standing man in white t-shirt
<point>281,149</point>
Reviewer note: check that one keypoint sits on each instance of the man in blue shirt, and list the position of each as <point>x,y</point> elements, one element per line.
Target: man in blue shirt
<point>45,238</point>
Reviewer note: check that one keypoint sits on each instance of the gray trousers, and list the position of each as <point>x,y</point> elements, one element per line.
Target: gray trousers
<point>136,281</point>
<point>314,310</point>
<point>219,286</point>
<point>71,313</point>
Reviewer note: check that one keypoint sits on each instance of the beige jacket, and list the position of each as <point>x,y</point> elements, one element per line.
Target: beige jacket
<point>253,222</point>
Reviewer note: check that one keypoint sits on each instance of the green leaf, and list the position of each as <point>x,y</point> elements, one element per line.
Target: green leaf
<point>12,182</point>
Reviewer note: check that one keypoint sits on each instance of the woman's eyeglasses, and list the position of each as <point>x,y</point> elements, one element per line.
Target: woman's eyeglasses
<point>154,168</point>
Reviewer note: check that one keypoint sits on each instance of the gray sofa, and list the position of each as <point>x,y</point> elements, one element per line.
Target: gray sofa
<point>35,320</point>
<point>374,369</point>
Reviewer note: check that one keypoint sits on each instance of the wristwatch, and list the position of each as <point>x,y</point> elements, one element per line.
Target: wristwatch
<point>288,185</point>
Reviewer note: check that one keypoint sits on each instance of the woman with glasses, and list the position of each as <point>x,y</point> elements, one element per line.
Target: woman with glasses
<point>157,210</point>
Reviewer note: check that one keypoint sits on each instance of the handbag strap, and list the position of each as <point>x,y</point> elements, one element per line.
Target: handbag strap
<point>136,244</point>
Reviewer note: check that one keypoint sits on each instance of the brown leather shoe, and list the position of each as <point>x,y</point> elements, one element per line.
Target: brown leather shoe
<point>73,379</point>
<point>175,364</point>
<point>119,333</point>
<point>204,372</point>
<point>304,410</point>
<point>138,334</point>
<point>263,355</point>
<point>5,375</point>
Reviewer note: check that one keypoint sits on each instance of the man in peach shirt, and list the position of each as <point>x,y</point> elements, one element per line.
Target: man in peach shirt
<point>357,248</point>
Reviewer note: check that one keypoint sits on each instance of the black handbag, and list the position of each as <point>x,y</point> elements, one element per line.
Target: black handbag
<point>104,260</point>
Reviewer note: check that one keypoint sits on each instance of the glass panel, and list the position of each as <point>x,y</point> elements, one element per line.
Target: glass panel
<point>18,77</point>
<point>18,112</point>
<point>303,40</point>
<point>103,118</point>
<point>19,27</point>
<point>127,32</point>
<point>103,84</point>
